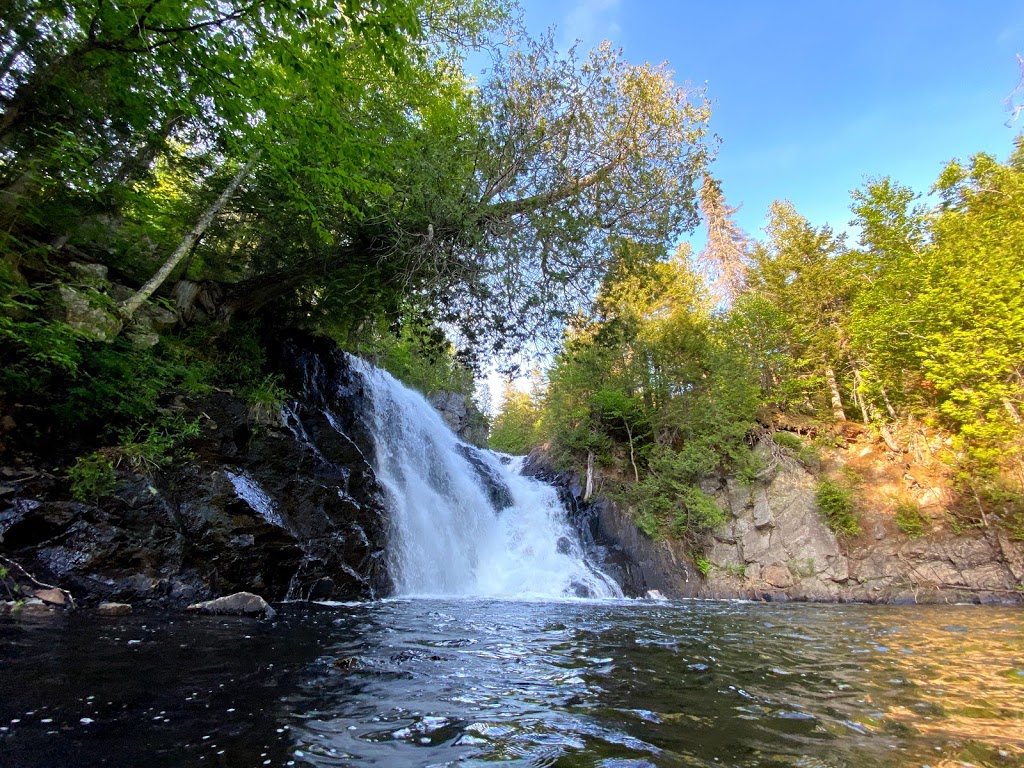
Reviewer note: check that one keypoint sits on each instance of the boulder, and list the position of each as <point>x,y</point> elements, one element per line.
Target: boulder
<point>84,311</point>
<point>57,597</point>
<point>238,604</point>
<point>33,606</point>
<point>92,274</point>
<point>113,609</point>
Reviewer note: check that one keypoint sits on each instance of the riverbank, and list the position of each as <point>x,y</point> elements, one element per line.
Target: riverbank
<point>776,545</point>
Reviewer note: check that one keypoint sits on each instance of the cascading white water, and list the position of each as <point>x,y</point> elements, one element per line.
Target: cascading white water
<point>449,535</point>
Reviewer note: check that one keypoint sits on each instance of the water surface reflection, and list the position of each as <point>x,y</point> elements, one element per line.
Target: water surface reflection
<point>574,683</point>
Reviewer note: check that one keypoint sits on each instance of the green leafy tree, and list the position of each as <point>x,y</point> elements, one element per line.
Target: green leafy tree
<point>971,303</point>
<point>890,265</point>
<point>515,427</point>
<point>803,271</point>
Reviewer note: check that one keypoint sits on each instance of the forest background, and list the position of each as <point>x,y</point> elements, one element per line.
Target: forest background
<point>180,181</point>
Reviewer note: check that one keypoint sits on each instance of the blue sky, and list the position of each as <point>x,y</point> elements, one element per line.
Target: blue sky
<point>809,98</point>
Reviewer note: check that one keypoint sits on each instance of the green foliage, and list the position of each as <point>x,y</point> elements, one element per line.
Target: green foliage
<point>804,452</point>
<point>118,386</point>
<point>668,494</point>
<point>647,521</point>
<point>418,353</point>
<point>515,428</point>
<point>30,343</point>
<point>788,440</point>
<point>802,278</point>
<point>154,445</point>
<point>265,398</point>
<point>92,477</point>
<point>701,562</point>
<point>909,520</point>
<point>835,502</point>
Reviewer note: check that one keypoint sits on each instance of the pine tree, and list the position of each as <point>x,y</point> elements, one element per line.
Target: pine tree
<point>723,261</point>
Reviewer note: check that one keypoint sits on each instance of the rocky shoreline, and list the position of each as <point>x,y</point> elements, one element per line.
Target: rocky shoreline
<point>285,507</point>
<point>776,547</point>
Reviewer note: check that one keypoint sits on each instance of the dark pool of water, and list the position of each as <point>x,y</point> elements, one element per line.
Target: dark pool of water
<point>429,682</point>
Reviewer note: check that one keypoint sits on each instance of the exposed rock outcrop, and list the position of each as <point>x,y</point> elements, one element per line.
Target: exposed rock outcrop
<point>238,604</point>
<point>775,546</point>
<point>283,510</point>
<point>461,415</point>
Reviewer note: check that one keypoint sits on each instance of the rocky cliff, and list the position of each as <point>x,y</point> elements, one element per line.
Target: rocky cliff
<point>288,508</point>
<point>776,546</point>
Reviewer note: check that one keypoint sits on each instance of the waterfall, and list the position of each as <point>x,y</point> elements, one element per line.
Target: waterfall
<point>463,521</point>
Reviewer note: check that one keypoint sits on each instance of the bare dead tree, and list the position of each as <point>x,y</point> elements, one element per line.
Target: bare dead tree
<point>723,261</point>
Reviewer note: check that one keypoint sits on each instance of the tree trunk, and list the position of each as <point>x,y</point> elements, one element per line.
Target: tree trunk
<point>129,306</point>
<point>890,441</point>
<point>888,406</point>
<point>590,477</point>
<point>837,401</point>
<point>632,456</point>
<point>858,398</point>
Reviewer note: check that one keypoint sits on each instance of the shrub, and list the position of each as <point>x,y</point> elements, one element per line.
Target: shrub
<point>909,520</point>
<point>806,453</point>
<point>788,440</point>
<point>648,522</point>
<point>697,512</point>
<point>92,477</point>
<point>265,398</point>
<point>836,505</point>
<point>153,446</point>
<point>701,562</point>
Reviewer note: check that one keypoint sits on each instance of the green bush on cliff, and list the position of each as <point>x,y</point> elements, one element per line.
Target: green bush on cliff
<point>669,499</point>
<point>836,505</point>
<point>92,477</point>
<point>909,520</point>
<point>155,445</point>
<point>265,398</point>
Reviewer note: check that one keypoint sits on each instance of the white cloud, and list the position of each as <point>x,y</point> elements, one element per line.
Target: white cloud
<point>591,21</point>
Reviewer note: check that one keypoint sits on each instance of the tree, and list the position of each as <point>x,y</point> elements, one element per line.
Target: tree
<point>506,225</point>
<point>970,310</point>
<point>650,388</point>
<point>515,427</point>
<point>723,260</point>
<point>803,271</point>
<point>890,264</point>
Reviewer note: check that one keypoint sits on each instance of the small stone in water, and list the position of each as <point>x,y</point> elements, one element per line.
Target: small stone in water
<point>86,720</point>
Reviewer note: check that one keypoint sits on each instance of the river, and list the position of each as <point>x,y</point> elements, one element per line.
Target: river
<point>428,682</point>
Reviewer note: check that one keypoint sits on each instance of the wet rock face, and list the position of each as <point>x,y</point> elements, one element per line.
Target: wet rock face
<point>280,510</point>
<point>614,548</point>
<point>461,415</point>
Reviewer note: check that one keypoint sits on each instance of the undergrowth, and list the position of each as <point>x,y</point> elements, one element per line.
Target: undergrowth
<point>909,520</point>
<point>835,502</point>
<point>92,477</point>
